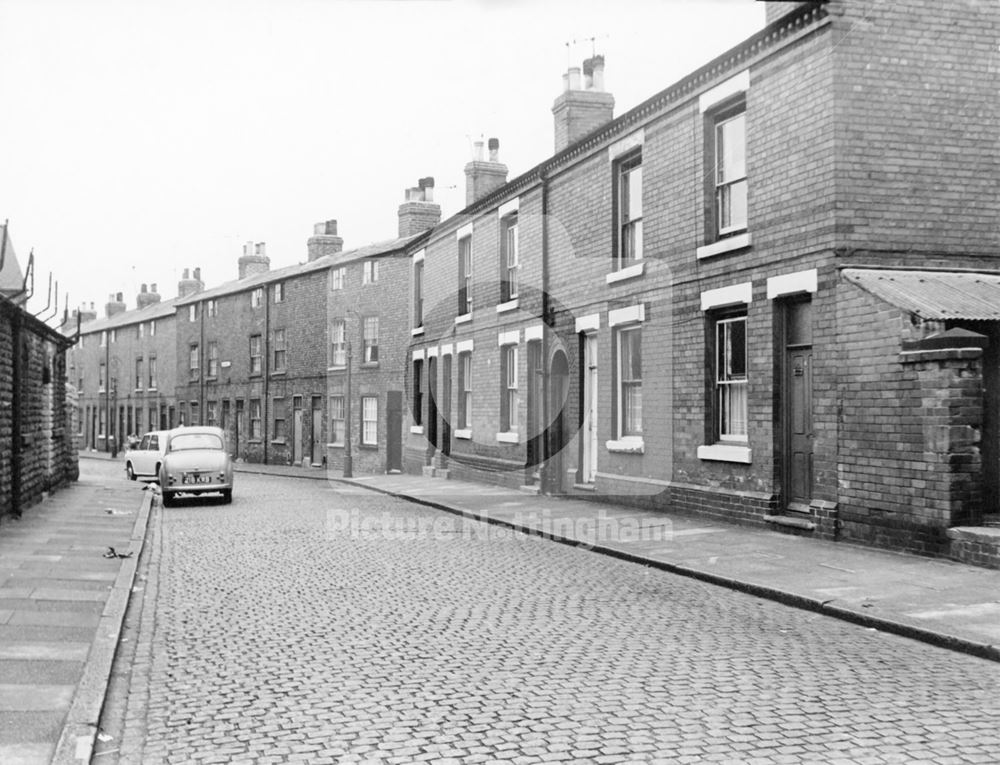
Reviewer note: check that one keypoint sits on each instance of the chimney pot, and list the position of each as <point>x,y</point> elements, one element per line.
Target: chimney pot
<point>260,249</point>
<point>477,153</point>
<point>152,287</point>
<point>118,297</point>
<point>187,274</point>
<point>494,146</point>
<point>143,288</point>
<point>197,274</point>
<point>574,78</point>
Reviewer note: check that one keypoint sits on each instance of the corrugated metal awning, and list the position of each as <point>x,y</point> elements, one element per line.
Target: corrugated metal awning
<point>933,294</point>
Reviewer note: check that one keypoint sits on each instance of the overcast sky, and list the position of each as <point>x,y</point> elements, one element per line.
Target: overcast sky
<point>141,138</point>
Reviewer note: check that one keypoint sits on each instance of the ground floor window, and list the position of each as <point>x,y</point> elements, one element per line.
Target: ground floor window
<point>464,390</point>
<point>337,420</point>
<point>369,420</point>
<point>629,346</point>
<point>279,419</point>
<point>255,416</point>
<point>508,393</point>
<point>731,378</point>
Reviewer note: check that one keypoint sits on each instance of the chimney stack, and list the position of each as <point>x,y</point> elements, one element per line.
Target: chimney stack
<point>188,285</point>
<point>583,106</point>
<point>114,306</point>
<point>86,314</point>
<point>146,297</point>
<point>483,176</point>
<point>254,260</point>
<point>324,240</point>
<point>419,212</point>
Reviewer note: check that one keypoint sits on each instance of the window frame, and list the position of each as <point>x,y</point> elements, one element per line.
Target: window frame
<point>510,257</point>
<point>256,297</point>
<point>336,404</point>
<point>194,361</point>
<point>509,400</point>
<point>278,292</point>
<point>721,403</point>
<point>465,275</point>
<point>138,373</point>
<point>367,424</point>
<point>278,423</point>
<point>623,334</point>
<point>417,393</point>
<point>464,390</point>
<point>151,370</point>
<point>418,293</point>
<point>341,325</point>
<point>627,228</point>
<point>337,276</point>
<point>369,272</point>
<point>369,343</point>
<point>212,359</point>
<point>256,366</point>
<point>254,417</point>
<point>280,351</point>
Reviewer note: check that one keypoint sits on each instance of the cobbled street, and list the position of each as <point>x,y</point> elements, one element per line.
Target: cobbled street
<point>272,630</point>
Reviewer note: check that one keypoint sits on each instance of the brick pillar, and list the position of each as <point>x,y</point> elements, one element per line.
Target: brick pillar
<point>949,369</point>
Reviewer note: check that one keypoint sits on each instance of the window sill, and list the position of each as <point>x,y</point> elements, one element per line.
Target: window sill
<point>255,374</point>
<point>585,487</point>
<point>508,438</point>
<point>334,446</point>
<point>249,440</point>
<point>725,453</point>
<point>465,433</point>
<point>629,272</point>
<point>211,378</point>
<point>510,305</point>
<point>369,365</point>
<point>728,244</point>
<point>627,445</point>
<point>417,430</point>
<point>279,373</point>
<point>368,447</point>
<point>279,441</point>
<point>416,331</point>
<point>465,317</point>
<point>339,368</point>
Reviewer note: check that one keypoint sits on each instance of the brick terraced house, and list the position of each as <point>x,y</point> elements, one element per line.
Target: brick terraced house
<point>123,367</point>
<point>747,297</point>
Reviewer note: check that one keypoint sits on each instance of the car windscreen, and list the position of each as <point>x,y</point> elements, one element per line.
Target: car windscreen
<point>187,441</point>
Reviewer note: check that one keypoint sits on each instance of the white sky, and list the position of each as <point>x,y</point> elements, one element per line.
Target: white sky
<point>139,138</point>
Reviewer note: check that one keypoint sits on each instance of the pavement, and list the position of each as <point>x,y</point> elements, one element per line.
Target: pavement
<point>62,603</point>
<point>61,608</point>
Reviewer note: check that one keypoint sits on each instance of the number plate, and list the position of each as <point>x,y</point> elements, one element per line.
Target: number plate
<point>197,478</point>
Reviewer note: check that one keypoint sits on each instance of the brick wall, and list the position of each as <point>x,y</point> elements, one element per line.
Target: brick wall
<point>33,388</point>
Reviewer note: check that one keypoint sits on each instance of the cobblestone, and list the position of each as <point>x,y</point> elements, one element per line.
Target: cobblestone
<point>277,636</point>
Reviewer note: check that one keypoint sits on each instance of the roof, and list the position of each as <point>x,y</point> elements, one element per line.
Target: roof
<point>933,294</point>
<point>125,318</point>
<point>11,278</point>
<point>326,261</point>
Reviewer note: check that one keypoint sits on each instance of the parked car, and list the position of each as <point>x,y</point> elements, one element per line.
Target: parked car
<point>144,459</point>
<point>196,462</point>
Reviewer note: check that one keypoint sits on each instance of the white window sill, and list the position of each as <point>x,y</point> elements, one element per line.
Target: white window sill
<point>508,438</point>
<point>416,331</point>
<point>337,368</point>
<point>630,272</point>
<point>728,244</point>
<point>627,445</point>
<point>465,317</point>
<point>510,305</point>
<point>417,430</point>
<point>465,433</point>
<point>334,446</point>
<point>725,453</point>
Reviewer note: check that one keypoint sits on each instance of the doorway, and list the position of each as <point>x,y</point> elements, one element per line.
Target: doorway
<point>797,406</point>
<point>297,430</point>
<point>446,405</point>
<point>534,406</point>
<point>237,428</point>
<point>588,396</point>
<point>394,431</point>
<point>432,410</point>
<point>556,432</point>
<point>316,435</point>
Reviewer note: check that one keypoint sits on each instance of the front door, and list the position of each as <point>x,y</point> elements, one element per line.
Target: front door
<point>446,405</point>
<point>394,431</point>
<point>432,410</point>
<point>237,428</point>
<point>797,406</point>
<point>316,428</point>
<point>297,434</point>
<point>589,397</point>
<point>535,427</point>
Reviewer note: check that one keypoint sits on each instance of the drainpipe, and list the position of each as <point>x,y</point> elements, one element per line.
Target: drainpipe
<point>16,407</point>
<point>107,391</point>
<point>202,356</point>
<point>546,325</point>
<point>266,404</point>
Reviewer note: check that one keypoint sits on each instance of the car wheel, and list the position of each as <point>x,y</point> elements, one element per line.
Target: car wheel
<point>227,496</point>
<point>129,472</point>
<point>168,499</point>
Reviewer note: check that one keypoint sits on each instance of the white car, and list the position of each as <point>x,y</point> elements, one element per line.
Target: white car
<point>196,462</point>
<point>145,459</point>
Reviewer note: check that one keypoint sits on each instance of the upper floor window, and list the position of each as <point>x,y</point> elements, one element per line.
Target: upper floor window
<point>256,355</point>
<point>256,297</point>
<point>731,378</point>
<point>730,172</point>
<point>101,377</point>
<point>104,338</point>
<point>152,327</point>
<point>212,307</point>
<point>338,343</point>
<point>213,358</point>
<point>114,336</point>
<point>509,258</point>
<point>140,329</point>
<point>193,312</point>
<point>464,275</point>
<point>279,350</point>
<point>151,369</point>
<point>418,293</point>
<point>369,273</point>
<point>370,339</point>
<point>138,374</point>
<point>279,292</point>
<point>628,223</point>
<point>193,360</point>
<point>337,278</point>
